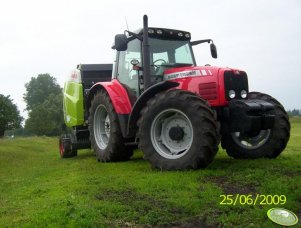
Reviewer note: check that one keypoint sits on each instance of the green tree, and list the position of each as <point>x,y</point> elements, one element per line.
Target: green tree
<point>9,115</point>
<point>38,89</point>
<point>45,105</point>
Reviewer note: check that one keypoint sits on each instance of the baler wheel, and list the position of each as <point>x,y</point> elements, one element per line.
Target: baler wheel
<point>65,147</point>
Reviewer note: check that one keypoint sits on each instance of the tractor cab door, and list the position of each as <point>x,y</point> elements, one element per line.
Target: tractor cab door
<point>125,73</point>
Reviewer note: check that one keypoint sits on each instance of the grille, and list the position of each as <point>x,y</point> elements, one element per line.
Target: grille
<point>208,91</point>
<point>236,82</point>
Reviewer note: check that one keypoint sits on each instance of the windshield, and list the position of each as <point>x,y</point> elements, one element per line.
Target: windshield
<point>170,53</point>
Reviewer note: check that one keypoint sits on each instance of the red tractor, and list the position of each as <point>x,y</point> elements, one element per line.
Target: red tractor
<point>176,112</point>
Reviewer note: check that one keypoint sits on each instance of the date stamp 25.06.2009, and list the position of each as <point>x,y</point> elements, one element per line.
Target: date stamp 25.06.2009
<point>258,199</point>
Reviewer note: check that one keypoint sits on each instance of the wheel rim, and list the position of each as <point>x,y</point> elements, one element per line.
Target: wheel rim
<point>101,126</point>
<point>248,141</point>
<point>161,128</point>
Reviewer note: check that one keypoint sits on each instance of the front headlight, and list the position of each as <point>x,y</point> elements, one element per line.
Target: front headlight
<point>232,94</point>
<point>243,94</point>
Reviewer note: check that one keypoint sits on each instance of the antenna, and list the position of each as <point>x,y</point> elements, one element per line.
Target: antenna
<point>126,23</point>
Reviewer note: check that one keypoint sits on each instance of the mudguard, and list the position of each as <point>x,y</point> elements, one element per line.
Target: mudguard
<point>119,98</point>
<point>117,93</point>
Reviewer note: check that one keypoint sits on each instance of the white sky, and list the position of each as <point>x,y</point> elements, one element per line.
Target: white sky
<point>261,37</point>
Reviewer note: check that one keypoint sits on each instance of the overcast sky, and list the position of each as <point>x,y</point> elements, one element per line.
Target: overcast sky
<point>261,37</point>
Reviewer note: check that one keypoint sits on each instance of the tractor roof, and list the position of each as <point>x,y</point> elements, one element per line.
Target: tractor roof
<point>166,34</point>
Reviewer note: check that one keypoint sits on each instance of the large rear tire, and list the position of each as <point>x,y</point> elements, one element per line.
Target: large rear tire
<point>265,143</point>
<point>105,134</point>
<point>178,131</point>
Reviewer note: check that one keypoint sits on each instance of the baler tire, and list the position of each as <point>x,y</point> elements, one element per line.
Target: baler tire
<point>114,149</point>
<point>65,147</point>
<point>193,115</point>
<point>276,140</point>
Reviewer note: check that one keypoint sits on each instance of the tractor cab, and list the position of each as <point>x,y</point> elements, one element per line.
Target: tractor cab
<point>168,49</point>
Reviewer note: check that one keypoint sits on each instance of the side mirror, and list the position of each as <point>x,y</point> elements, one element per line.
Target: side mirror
<point>213,50</point>
<point>121,42</point>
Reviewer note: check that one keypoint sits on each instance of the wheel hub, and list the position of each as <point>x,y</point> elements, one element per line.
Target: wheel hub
<point>171,133</point>
<point>176,133</point>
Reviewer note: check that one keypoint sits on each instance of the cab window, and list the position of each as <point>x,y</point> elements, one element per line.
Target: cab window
<point>125,73</point>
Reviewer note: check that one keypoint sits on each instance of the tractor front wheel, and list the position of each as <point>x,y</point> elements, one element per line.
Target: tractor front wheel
<point>263,143</point>
<point>177,131</point>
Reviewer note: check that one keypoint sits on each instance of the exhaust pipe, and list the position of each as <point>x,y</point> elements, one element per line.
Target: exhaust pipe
<point>146,55</point>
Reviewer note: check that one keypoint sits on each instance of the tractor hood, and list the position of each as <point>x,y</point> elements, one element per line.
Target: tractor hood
<point>213,84</point>
<point>184,72</point>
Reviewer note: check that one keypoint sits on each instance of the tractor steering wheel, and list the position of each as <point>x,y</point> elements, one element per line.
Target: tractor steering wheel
<point>158,66</point>
<point>157,69</point>
<point>162,60</point>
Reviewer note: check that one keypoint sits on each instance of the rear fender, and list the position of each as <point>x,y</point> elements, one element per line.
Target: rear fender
<point>118,97</point>
<point>117,94</point>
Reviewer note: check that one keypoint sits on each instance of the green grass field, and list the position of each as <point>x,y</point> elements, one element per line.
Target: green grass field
<point>37,188</point>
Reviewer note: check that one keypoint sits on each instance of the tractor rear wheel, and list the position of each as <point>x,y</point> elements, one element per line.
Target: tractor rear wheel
<point>264,143</point>
<point>105,134</point>
<point>177,131</point>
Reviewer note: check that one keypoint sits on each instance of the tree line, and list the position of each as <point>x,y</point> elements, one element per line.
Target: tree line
<point>44,103</point>
<point>294,112</point>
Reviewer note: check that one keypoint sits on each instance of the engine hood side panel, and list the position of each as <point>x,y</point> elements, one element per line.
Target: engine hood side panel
<point>206,81</point>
